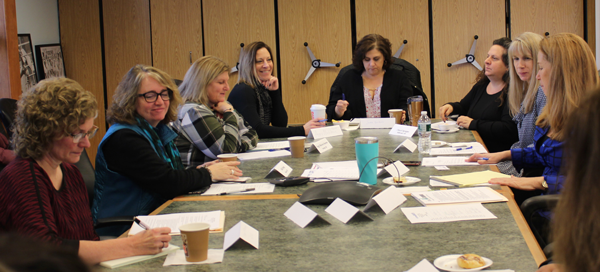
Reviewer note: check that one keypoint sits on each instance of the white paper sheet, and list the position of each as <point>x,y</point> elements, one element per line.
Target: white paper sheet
<point>263,155</point>
<point>366,123</point>
<point>464,195</point>
<point>447,161</point>
<point>465,149</point>
<point>447,213</point>
<point>259,188</point>
<point>271,145</point>
<point>175,220</point>
<point>178,258</point>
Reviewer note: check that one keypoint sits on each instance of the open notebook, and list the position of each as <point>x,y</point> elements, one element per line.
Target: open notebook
<point>136,259</point>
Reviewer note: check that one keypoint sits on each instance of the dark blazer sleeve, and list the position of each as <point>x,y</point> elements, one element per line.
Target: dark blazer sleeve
<point>132,156</point>
<point>350,84</point>
<point>279,116</point>
<point>503,132</point>
<point>395,91</point>
<point>245,101</point>
<point>463,106</point>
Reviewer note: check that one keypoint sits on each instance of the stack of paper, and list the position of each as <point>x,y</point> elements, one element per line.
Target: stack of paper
<point>271,145</point>
<point>459,149</point>
<point>216,220</point>
<point>446,161</point>
<point>447,213</point>
<point>466,195</point>
<point>334,171</point>
<point>473,178</point>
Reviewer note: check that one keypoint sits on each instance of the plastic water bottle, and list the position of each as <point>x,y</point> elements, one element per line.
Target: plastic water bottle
<point>424,129</point>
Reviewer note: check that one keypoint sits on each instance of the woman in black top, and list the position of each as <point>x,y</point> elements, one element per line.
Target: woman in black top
<point>258,98</point>
<point>485,108</point>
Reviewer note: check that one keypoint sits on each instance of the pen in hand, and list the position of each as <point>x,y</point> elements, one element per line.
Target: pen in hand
<point>235,192</point>
<point>343,96</point>
<point>483,159</point>
<point>142,224</point>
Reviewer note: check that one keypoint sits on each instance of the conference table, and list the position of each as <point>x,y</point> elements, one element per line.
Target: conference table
<point>388,242</point>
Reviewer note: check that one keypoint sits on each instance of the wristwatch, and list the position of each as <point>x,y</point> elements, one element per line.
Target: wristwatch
<point>544,184</point>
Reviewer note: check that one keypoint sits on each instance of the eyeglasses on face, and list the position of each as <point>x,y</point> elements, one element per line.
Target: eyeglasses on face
<point>77,137</point>
<point>151,96</point>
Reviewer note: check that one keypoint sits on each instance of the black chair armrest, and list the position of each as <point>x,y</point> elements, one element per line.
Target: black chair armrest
<point>112,221</point>
<point>538,203</point>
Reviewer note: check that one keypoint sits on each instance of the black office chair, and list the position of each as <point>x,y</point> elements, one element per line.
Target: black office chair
<point>8,110</point>
<point>530,209</point>
<point>89,177</point>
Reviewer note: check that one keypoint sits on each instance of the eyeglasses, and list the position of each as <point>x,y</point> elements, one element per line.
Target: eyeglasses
<point>151,96</point>
<point>77,137</point>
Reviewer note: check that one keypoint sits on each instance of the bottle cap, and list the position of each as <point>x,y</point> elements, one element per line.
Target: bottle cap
<point>423,112</point>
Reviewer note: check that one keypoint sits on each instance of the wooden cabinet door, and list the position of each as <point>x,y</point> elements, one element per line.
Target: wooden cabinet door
<point>546,16</point>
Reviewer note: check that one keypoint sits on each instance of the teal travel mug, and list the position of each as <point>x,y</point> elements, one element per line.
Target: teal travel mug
<point>367,148</point>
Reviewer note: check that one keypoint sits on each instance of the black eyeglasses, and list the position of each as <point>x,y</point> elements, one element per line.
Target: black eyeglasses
<point>151,96</point>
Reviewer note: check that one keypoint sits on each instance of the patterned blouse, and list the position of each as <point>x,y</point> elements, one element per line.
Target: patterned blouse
<point>373,105</point>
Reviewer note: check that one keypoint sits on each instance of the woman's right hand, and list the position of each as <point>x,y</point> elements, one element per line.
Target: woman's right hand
<point>223,107</point>
<point>340,107</point>
<point>150,241</point>
<point>488,158</point>
<point>445,110</point>
<point>225,170</point>
<point>314,123</point>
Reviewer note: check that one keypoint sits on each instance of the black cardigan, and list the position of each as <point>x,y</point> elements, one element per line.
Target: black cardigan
<point>395,91</point>
<point>243,98</point>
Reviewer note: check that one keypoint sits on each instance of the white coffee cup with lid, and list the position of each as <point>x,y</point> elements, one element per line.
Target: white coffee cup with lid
<point>317,111</point>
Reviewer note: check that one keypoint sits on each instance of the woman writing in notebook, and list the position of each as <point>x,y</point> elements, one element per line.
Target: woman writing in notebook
<point>42,194</point>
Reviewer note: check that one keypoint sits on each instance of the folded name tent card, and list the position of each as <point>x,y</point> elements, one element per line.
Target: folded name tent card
<point>407,145</point>
<point>396,169</point>
<point>403,130</point>
<point>366,123</point>
<point>344,211</point>
<point>388,200</point>
<point>324,132</point>
<point>241,232</point>
<point>302,215</point>
<point>320,146</point>
<point>281,169</point>
<point>423,266</point>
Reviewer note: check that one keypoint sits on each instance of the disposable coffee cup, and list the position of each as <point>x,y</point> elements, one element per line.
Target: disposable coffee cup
<point>195,241</point>
<point>317,111</point>
<point>227,157</point>
<point>396,113</point>
<point>415,106</point>
<point>297,146</point>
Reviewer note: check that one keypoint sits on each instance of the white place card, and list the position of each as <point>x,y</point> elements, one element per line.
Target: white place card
<point>281,169</point>
<point>441,168</point>
<point>407,145</point>
<point>403,130</point>
<point>397,169</point>
<point>423,266</point>
<point>320,146</point>
<point>241,232</point>
<point>324,132</point>
<point>344,211</point>
<point>366,123</point>
<point>302,215</point>
<point>388,200</point>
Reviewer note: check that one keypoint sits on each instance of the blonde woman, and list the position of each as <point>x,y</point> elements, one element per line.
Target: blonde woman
<point>207,124</point>
<point>258,98</point>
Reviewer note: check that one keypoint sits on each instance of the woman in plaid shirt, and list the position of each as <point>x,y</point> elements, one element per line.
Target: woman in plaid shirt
<point>207,124</point>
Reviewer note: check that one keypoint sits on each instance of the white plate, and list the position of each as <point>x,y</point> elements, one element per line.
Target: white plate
<point>445,131</point>
<point>438,143</point>
<point>409,181</point>
<point>448,263</point>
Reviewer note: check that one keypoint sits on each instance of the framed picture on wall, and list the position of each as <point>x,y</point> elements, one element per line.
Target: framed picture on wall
<point>50,61</point>
<point>28,75</point>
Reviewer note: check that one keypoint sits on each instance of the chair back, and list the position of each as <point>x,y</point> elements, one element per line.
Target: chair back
<point>89,176</point>
<point>8,111</point>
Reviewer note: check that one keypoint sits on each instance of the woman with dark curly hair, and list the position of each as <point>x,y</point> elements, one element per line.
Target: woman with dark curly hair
<point>42,194</point>
<point>138,166</point>
<point>371,88</point>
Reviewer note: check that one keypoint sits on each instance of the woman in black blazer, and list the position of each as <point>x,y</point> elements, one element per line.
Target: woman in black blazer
<point>371,88</point>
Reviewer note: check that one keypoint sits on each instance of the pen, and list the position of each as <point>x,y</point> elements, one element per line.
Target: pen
<point>483,159</point>
<point>234,192</point>
<point>278,149</point>
<point>142,224</point>
<point>459,149</point>
<point>343,96</point>
<point>324,120</point>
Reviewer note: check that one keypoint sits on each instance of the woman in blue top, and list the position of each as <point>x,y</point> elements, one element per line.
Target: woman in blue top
<point>138,166</point>
<point>567,71</point>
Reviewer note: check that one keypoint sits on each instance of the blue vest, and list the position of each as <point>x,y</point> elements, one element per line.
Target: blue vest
<point>117,195</point>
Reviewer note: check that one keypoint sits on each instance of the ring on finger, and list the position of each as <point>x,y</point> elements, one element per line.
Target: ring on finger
<point>163,244</point>
<point>232,172</point>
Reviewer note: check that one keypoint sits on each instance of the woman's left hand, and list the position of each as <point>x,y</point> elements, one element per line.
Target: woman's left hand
<point>272,84</point>
<point>225,170</point>
<point>223,107</point>
<point>464,121</point>
<point>526,184</point>
<point>207,164</point>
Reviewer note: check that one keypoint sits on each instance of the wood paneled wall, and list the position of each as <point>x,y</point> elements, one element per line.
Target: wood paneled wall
<point>126,39</point>
<point>82,52</point>
<point>455,23</point>
<point>228,23</point>
<point>176,35</point>
<point>541,16</point>
<point>399,21</point>
<point>325,25</point>
<point>10,82</point>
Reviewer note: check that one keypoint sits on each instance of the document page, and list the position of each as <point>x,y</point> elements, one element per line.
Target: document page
<point>447,213</point>
<point>237,188</point>
<point>263,155</point>
<point>271,145</point>
<point>446,161</point>
<point>459,149</point>
<point>479,194</point>
<point>215,219</point>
